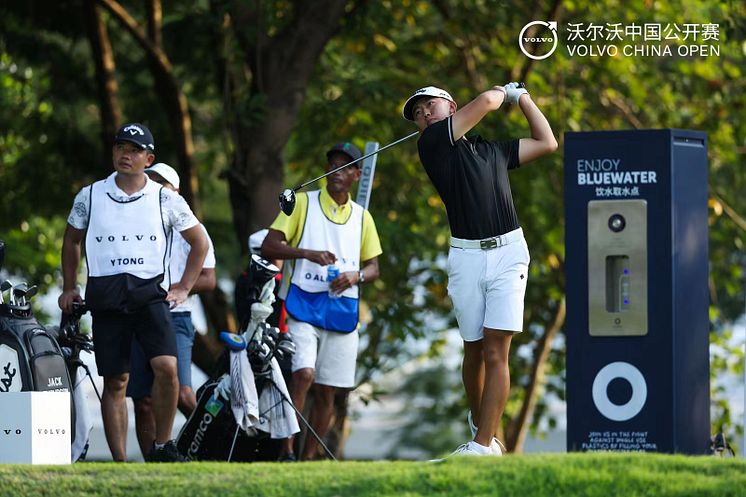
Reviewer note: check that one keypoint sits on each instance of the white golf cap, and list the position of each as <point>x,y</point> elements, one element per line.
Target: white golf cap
<point>428,91</point>
<point>167,172</point>
<point>256,240</point>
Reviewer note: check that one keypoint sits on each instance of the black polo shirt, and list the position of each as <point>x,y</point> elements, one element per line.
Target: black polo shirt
<point>471,177</point>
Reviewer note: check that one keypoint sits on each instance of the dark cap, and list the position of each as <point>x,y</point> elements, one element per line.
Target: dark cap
<point>346,148</point>
<point>136,133</point>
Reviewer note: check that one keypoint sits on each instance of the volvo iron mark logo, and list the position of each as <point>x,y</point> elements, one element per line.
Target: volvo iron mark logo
<point>542,42</point>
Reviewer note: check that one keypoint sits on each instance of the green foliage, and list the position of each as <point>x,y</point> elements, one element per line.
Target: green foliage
<point>590,475</point>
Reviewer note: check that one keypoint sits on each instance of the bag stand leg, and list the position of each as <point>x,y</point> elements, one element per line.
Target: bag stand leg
<point>233,445</point>
<point>80,364</point>
<point>305,422</point>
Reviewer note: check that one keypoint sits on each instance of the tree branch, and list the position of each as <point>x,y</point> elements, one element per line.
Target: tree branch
<point>131,25</point>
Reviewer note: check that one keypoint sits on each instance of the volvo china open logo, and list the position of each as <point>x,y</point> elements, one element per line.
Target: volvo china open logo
<point>536,45</point>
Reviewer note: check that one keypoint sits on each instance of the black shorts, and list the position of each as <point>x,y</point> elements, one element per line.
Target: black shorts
<point>113,332</point>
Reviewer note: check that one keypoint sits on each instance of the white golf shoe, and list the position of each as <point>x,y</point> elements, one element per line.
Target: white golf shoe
<point>497,447</point>
<point>472,449</point>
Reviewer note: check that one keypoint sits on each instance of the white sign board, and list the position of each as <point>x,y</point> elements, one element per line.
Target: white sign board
<point>35,428</point>
<point>365,187</point>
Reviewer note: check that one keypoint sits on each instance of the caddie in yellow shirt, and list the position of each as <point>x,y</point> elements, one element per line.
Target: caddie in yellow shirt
<point>326,229</point>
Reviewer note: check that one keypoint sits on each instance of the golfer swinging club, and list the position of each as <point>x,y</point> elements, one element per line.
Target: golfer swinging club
<point>488,259</point>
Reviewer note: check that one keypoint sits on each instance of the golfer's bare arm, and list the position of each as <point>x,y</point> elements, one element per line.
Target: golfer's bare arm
<point>71,245</point>
<point>542,141</point>
<point>469,115</point>
<point>206,281</point>
<point>276,247</point>
<point>198,247</point>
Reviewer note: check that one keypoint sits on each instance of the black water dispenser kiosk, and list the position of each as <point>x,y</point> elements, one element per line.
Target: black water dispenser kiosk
<point>637,324</point>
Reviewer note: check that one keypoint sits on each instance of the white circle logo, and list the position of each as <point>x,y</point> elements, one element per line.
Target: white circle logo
<point>634,405</point>
<point>524,41</point>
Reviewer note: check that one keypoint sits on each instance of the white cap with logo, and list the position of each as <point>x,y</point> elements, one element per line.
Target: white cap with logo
<point>167,172</point>
<point>428,91</point>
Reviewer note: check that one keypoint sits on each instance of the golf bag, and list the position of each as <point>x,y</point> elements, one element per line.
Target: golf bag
<point>30,358</point>
<point>212,432</point>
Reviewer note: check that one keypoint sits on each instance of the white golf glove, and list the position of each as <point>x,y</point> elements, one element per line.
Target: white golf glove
<point>514,92</point>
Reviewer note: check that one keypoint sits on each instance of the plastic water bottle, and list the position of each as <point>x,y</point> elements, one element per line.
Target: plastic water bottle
<point>332,271</point>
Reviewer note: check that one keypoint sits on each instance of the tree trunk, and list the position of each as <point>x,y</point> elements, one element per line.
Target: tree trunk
<point>106,82</point>
<point>279,68</point>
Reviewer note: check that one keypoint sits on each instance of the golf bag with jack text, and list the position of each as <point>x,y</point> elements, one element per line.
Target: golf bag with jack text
<point>30,356</point>
<point>30,359</point>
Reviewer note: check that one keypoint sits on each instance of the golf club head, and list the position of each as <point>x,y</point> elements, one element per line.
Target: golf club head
<point>272,332</point>
<point>19,293</point>
<point>287,201</point>
<point>33,290</point>
<point>260,272</point>
<point>286,346</point>
<point>4,286</point>
<point>269,338</point>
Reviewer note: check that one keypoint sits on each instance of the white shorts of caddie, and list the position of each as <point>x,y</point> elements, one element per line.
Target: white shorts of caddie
<point>332,355</point>
<point>487,283</point>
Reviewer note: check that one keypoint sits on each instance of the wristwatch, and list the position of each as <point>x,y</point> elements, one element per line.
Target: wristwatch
<point>360,277</point>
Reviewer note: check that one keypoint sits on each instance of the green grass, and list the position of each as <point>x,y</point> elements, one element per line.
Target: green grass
<point>587,475</point>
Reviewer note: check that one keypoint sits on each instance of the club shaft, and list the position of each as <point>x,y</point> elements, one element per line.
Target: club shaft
<point>357,160</point>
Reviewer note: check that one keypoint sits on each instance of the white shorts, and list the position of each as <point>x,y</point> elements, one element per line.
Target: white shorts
<point>332,355</point>
<point>487,286</point>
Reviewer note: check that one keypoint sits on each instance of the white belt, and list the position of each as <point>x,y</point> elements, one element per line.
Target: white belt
<point>489,243</point>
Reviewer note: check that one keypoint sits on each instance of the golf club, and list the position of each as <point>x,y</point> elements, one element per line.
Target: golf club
<point>285,348</point>
<point>287,197</point>
<point>5,285</point>
<point>30,293</point>
<point>2,253</point>
<point>18,292</point>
